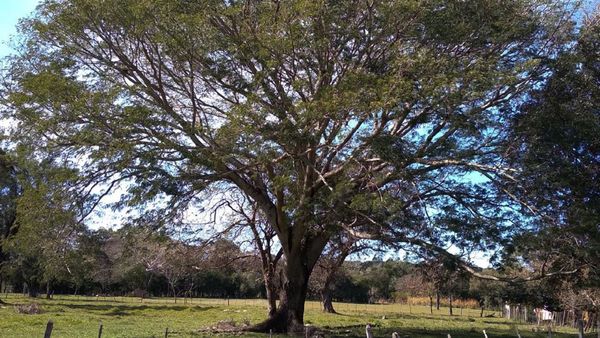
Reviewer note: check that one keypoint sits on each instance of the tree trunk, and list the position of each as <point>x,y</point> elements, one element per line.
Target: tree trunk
<point>430,304</point>
<point>289,316</point>
<point>450,304</point>
<point>580,323</point>
<point>327,299</point>
<point>47,289</point>
<point>174,293</point>
<point>32,291</point>
<point>437,300</point>
<point>4,288</point>
<point>271,289</point>
<point>327,292</point>
<point>598,324</point>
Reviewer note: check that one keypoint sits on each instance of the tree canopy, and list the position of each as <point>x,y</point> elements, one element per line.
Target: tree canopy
<point>557,148</point>
<point>9,192</point>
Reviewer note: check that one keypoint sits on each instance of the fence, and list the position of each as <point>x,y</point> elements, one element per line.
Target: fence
<point>583,321</point>
<point>50,328</point>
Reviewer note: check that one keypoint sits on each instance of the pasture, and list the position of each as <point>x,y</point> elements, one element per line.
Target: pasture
<point>78,316</point>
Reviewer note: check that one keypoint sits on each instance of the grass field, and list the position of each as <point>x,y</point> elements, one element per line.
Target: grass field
<point>76,317</point>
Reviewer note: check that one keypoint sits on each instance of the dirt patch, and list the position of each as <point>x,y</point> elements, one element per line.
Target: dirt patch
<point>28,309</point>
<point>231,328</point>
<point>226,326</point>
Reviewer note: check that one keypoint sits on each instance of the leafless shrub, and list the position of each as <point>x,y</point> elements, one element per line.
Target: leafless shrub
<point>28,309</point>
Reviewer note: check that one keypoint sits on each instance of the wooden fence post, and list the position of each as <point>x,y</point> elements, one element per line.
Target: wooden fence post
<point>49,328</point>
<point>100,331</point>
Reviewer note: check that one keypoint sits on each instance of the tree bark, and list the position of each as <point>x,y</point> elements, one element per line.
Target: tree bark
<point>289,317</point>
<point>271,289</point>
<point>326,290</point>
<point>174,293</point>
<point>437,300</point>
<point>430,304</point>
<point>268,260</point>
<point>598,324</point>
<point>47,289</point>
<point>327,299</point>
<point>450,304</point>
<point>580,323</point>
<point>32,291</point>
<point>3,288</point>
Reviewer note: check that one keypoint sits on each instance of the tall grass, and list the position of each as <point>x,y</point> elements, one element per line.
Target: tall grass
<point>458,303</point>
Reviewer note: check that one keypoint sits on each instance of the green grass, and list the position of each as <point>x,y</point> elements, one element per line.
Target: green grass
<point>130,317</point>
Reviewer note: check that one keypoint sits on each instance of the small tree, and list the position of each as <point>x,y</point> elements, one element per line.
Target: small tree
<point>47,226</point>
<point>327,270</point>
<point>414,284</point>
<point>264,240</point>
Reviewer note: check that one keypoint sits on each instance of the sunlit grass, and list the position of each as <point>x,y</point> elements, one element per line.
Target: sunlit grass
<point>77,316</point>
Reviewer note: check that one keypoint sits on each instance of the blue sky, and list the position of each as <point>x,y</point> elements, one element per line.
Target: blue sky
<point>10,13</point>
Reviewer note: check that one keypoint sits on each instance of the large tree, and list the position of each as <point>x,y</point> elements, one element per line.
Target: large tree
<point>557,142</point>
<point>377,118</point>
<point>45,228</point>
<point>9,192</point>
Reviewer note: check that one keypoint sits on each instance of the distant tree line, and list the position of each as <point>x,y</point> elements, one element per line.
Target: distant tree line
<point>134,261</point>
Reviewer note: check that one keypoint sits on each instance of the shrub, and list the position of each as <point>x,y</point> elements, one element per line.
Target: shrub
<point>28,309</point>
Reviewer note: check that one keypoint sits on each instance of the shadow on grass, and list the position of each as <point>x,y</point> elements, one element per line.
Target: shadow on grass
<point>115,299</point>
<point>396,315</point>
<point>455,318</point>
<point>358,331</point>
<point>121,310</point>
